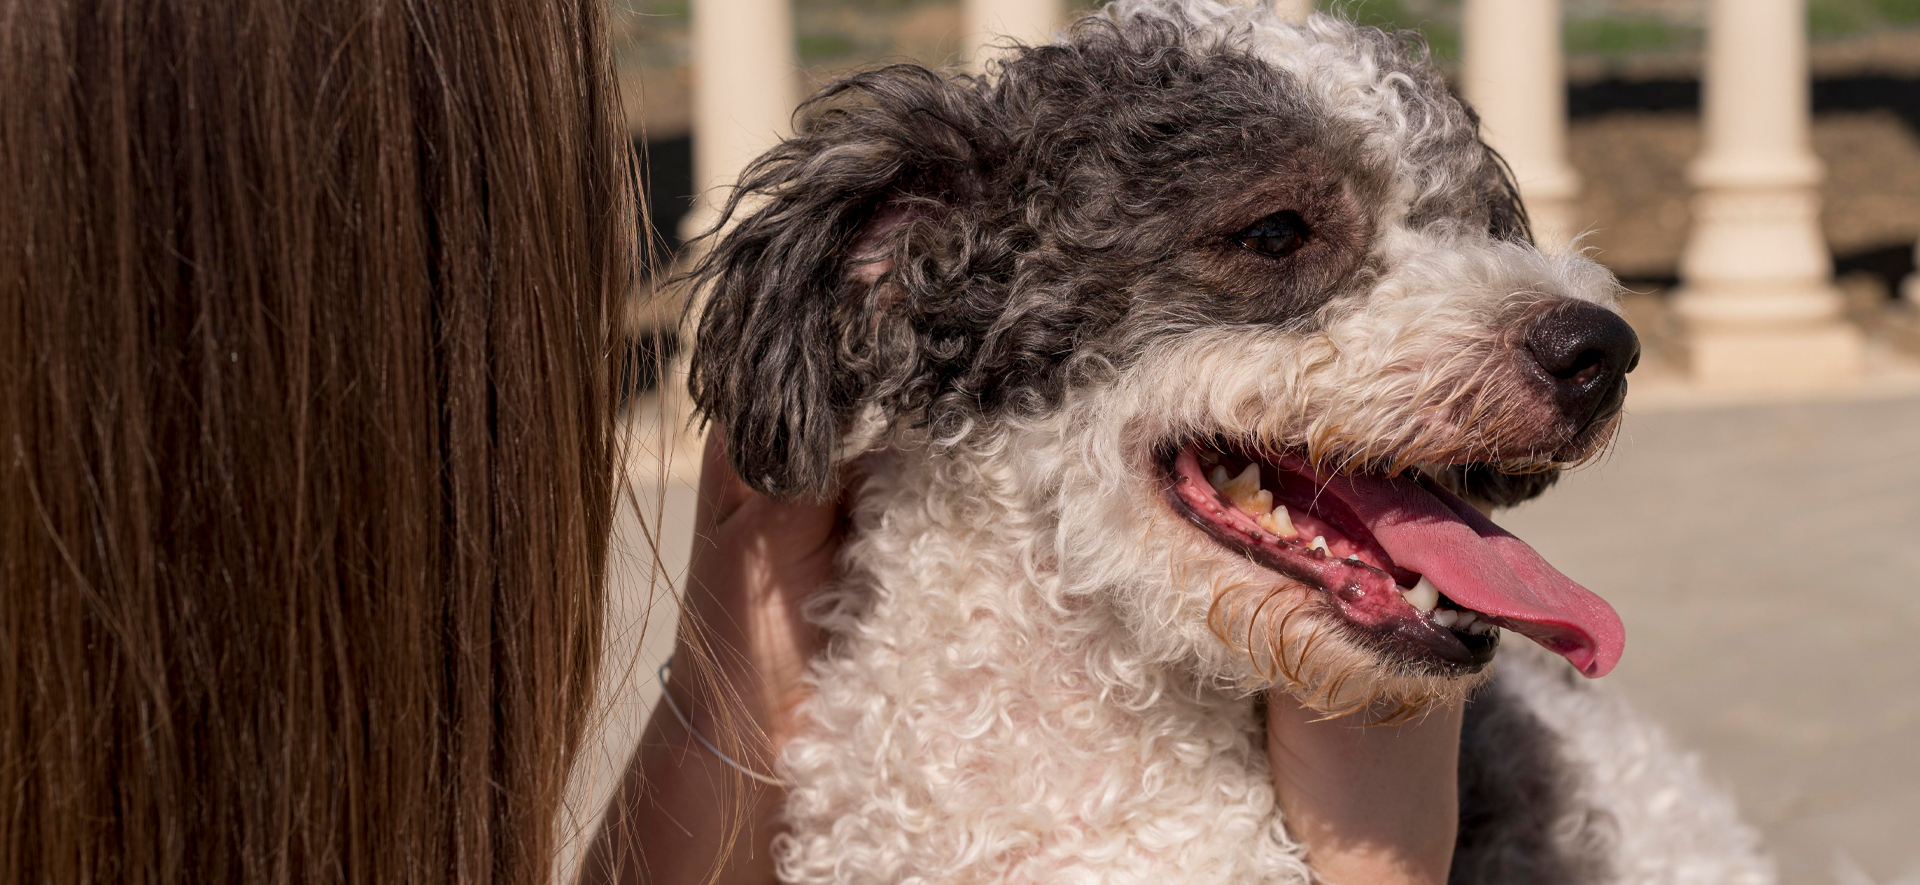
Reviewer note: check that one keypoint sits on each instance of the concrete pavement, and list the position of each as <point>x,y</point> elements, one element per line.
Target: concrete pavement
<point>1766,559</point>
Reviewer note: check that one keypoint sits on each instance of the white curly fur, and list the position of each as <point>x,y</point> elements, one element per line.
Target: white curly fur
<point>1027,680</point>
<point>1669,823</point>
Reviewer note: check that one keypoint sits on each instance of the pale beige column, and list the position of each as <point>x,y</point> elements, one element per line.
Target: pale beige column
<point>986,23</point>
<point>1515,76</point>
<point>1293,10</point>
<point>1757,298</point>
<point>745,86</point>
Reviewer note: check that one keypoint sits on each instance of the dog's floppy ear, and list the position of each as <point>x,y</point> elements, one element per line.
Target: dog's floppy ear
<point>1506,214</point>
<point>792,339</point>
<point>1500,192</point>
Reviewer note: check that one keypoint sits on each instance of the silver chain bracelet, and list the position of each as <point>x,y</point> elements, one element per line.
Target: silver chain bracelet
<point>688,723</point>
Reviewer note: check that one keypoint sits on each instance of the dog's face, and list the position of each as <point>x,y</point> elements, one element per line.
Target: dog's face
<point>1250,307</point>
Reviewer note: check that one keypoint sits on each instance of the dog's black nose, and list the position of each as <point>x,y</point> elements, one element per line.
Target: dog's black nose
<point>1583,354</point>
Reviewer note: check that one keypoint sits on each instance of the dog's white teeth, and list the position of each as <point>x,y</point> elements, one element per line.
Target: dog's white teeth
<point>1479,628</point>
<point>1446,617</point>
<point>1258,504</point>
<point>1208,456</point>
<point>1424,596</point>
<point>1217,477</point>
<point>1467,618</point>
<point>1319,543</point>
<point>1279,522</point>
<point>1353,557</point>
<point>1245,492</point>
<point>1244,485</point>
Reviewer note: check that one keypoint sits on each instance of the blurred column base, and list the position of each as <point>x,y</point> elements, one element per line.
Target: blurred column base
<point>1784,360</point>
<point>1757,308</point>
<point>1758,303</point>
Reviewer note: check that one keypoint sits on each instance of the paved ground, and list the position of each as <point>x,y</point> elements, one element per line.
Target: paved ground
<point>1766,559</point>
<point>1767,562</point>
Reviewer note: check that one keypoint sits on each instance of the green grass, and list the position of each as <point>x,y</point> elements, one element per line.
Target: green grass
<point>861,5</point>
<point>1620,35</point>
<point>1842,18</point>
<point>1377,12</point>
<point>1900,12</point>
<point>668,8</point>
<point>825,47</point>
<point>1838,18</point>
<point>1438,21</point>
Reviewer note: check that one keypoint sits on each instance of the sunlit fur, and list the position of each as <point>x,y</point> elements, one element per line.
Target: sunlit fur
<point>1038,671</point>
<point>1380,379</point>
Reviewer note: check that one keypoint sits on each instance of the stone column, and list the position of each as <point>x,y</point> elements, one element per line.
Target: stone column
<point>987,22</point>
<point>744,90</point>
<point>1515,76</point>
<point>1293,10</point>
<point>1757,299</point>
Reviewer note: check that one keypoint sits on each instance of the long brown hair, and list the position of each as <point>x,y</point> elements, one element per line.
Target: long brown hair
<point>305,434</point>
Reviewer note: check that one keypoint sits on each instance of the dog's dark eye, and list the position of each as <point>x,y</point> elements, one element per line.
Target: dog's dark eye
<point>1277,235</point>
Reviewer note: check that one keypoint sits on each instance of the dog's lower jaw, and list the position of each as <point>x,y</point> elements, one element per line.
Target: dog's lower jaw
<point>1289,638</point>
<point>1364,680</point>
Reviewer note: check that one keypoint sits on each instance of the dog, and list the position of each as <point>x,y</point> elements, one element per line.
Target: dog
<point>1179,358</point>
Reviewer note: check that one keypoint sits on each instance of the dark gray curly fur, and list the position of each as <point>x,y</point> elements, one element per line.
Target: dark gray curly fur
<point>1051,217</point>
<point>1522,821</point>
<point>1486,483</point>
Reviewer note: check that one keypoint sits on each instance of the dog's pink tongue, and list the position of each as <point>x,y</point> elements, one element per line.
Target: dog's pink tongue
<point>1482,567</point>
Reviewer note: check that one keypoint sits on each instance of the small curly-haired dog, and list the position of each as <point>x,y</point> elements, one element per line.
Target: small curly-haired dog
<point>1177,355</point>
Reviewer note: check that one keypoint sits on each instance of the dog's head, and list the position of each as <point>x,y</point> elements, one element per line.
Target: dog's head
<point>1249,303</point>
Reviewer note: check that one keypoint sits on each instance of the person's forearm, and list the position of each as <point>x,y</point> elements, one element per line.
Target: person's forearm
<point>682,815</point>
<point>1374,806</point>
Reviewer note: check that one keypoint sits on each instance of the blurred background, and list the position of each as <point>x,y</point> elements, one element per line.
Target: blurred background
<point>1750,169</point>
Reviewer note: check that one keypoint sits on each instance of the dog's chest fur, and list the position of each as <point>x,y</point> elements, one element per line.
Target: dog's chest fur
<point>968,728</point>
<point>973,724</point>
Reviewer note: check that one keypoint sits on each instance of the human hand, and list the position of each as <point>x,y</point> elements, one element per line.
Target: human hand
<point>755,563</point>
<point>1374,804</point>
<point>682,815</point>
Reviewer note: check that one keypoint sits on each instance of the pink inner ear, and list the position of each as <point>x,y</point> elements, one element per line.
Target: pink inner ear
<point>869,260</point>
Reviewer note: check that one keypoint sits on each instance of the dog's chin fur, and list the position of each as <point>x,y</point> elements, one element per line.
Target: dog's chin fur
<point>1295,643</point>
<point>1038,671</point>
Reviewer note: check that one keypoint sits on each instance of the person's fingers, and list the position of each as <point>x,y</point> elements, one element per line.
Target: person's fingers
<point>782,534</point>
<point>756,562</point>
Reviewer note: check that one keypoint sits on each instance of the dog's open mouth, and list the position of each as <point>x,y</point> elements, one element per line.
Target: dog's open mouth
<point>1406,563</point>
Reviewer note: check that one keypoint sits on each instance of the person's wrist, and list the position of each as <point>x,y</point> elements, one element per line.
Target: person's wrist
<point>752,706</point>
<point>1373,803</point>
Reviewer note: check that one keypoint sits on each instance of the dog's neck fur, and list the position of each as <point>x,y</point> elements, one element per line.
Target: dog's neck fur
<point>982,719</point>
